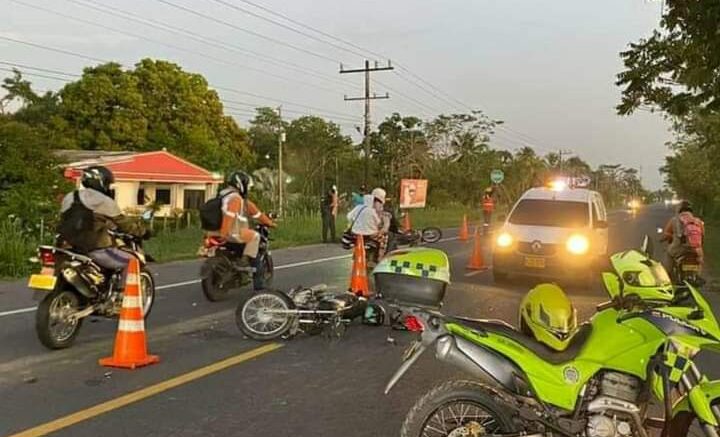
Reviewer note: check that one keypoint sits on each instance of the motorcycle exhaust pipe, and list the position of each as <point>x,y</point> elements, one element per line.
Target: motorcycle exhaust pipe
<point>73,278</point>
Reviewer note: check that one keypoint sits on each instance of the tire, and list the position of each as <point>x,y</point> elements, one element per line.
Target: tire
<point>431,235</point>
<point>147,286</point>
<point>210,277</point>
<point>58,301</point>
<point>470,396</point>
<point>249,315</point>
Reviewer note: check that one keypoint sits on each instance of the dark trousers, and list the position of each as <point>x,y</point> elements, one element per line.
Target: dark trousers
<point>328,226</point>
<point>487,221</point>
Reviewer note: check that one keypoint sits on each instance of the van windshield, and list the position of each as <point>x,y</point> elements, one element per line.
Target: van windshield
<point>553,213</point>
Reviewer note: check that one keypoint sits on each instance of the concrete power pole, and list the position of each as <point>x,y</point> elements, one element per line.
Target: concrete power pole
<point>562,152</point>
<point>281,181</point>
<point>367,98</point>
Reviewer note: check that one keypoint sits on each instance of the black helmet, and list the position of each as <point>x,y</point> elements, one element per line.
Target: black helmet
<point>98,178</point>
<point>685,206</point>
<point>240,181</point>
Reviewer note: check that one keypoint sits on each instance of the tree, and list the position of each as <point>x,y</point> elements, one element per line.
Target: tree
<point>264,133</point>
<point>399,149</point>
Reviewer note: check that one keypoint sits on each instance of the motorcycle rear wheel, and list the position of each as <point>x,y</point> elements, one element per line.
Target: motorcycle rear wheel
<point>51,325</point>
<point>254,320</point>
<point>431,235</point>
<point>213,269</point>
<point>457,408</point>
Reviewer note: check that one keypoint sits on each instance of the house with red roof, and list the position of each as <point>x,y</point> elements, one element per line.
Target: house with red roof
<point>143,178</point>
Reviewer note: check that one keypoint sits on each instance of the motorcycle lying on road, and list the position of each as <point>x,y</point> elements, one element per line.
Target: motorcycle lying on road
<point>226,268</point>
<point>268,315</point>
<point>414,237</point>
<point>72,286</point>
<point>638,346</point>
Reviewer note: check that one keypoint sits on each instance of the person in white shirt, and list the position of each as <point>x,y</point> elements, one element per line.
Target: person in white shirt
<point>369,220</point>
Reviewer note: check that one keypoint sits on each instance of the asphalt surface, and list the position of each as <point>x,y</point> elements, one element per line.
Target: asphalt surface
<point>307,387</point>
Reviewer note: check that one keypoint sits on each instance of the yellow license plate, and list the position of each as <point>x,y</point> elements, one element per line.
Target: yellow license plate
<point>691,268</point>
<point>42,282</point>
<point>534,262</point>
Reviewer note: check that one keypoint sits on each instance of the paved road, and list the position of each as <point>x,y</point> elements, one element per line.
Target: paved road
<point>306,387</point>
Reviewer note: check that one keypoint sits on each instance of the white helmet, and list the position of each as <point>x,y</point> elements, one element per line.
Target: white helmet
<point>379,194</point>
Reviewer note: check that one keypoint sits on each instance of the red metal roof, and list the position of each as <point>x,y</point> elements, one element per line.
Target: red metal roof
<point>160,166</point>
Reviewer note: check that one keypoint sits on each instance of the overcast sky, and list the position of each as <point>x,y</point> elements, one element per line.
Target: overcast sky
<point>547,68</point>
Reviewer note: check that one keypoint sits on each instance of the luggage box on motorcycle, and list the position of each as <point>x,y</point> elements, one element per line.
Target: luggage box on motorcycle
<point>416,277</point>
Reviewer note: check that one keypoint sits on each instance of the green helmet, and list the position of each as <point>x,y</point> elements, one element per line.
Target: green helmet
<point>547,314</point>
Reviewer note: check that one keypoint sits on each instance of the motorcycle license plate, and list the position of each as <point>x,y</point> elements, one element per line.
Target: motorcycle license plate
<point>691,268</point>
<point>534,262</point>
<point>42,282</point>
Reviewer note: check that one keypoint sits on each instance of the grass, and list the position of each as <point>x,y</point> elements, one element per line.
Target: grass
<point>172,244</point>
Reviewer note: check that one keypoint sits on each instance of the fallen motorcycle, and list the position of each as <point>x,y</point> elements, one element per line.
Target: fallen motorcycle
<point>414,237</point>
<point>272,314</point>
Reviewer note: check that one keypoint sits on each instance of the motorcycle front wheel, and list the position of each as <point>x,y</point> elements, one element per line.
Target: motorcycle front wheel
<point>431,235</point>
<point>456,408</point>
<point>54,328</point>
<point>265,315</point>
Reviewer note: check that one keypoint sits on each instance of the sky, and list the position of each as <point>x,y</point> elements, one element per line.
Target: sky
<point>546,68</point>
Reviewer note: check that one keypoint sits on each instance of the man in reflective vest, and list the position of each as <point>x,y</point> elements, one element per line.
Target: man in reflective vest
<point>488,206</point>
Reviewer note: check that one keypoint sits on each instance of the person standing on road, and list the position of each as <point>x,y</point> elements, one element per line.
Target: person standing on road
<point>488,207</point>
<point>368,220</point>
<point>684,233</point>
<point>237,209</point>
<point>87,216</point>
<point>329,209</point>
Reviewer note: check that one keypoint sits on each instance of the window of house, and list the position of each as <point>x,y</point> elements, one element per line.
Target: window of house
<point>141,196</point>
<point>162,196</point>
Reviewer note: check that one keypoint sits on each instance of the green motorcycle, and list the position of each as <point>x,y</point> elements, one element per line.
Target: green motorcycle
<point>600,379</point>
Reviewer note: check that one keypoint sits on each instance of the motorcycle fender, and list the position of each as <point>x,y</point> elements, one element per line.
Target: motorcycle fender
<point>699,401</point>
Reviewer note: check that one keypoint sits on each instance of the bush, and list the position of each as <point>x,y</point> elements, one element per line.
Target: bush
<point>17,245</point>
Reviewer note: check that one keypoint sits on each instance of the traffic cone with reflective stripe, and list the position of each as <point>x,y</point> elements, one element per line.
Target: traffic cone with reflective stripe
<point>476,260</point>
<point>130,343</point>
<point>464,230</point>
<point>358,279</point>
<point>406,222</point>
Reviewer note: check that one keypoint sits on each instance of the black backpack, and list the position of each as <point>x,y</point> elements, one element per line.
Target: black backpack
<point>78,226</point>
<point>211,214</point>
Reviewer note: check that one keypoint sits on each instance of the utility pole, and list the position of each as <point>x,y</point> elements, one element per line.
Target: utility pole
<point>562,152</point>
<point>367,98</point>
<point>281,182</point>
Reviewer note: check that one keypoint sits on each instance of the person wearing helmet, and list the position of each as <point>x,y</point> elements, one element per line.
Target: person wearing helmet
<point>547,315</point>
<point>368,220</point>
<point>488,206</point>
<point>684,233</point>
<point>86,216</point>
<point>237,211</point>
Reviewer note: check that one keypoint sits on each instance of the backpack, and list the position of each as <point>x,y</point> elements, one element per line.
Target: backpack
<point>692,230</point>
<point>77,226</point>
<point>211,214</point>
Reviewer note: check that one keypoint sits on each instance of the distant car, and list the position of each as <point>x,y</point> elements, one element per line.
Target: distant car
<point>554,232</point>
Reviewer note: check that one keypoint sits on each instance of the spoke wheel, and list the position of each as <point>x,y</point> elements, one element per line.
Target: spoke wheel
<point>257,315</point>
<point>53,324</point>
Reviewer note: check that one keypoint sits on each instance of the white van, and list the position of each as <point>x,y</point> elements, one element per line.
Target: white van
<point>552,232</point>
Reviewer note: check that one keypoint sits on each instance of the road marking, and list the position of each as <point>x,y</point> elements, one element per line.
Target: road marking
<point>197,281</point>
<point>476,272</point>
<point>144,393</point>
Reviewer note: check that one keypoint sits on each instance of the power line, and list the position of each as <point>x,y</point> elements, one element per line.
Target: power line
<point>45,70</point>
<point>172,46</point>
<point>213,42</point>
<point>45,76</point>
<point>250,32</point>
<point>56,50</point>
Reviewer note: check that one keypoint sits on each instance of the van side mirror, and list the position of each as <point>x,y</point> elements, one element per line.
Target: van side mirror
<point>601,224</point>
<point>613,284</point>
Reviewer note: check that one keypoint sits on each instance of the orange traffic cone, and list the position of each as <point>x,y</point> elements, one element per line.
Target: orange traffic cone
<point>406,222</point>
<point>358,279</point>
<point>476,260</point>
<point>130,343</point>
<point>464,229</point>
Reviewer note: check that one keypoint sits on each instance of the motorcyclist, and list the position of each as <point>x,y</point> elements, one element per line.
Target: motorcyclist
<point>87,216</point>
<point>675,232</point>
<point>369,220</point>
<point>237,211</point>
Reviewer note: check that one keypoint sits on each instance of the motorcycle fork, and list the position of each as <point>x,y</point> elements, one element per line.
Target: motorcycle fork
<point>690,379</point>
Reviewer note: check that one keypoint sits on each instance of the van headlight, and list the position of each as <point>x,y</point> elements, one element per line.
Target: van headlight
<point>504,240</point>
<point>577,244</point>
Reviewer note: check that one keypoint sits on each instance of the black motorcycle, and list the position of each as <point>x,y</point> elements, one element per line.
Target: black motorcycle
<point>226,268</point>
<point>71,286</point>
<point>413,237</point>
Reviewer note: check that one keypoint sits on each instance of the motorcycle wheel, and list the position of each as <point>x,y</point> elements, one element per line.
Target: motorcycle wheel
<point>147,287</point>
<point>431,235</point>
<point>437,412</point>
<point>253,319</point>
<point>51,325</point>
<point>213,269</point>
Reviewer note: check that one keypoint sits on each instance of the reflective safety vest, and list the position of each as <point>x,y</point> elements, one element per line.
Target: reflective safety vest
<point>488,204</point>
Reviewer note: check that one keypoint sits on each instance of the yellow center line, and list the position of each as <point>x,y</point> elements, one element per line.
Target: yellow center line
<point>144,393</point>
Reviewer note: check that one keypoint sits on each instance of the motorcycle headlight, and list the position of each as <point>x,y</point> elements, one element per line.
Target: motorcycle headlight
<point>578,245</point>
<point>504,240</point>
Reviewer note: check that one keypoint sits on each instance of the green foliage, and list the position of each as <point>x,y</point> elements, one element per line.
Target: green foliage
<point>16,247</point>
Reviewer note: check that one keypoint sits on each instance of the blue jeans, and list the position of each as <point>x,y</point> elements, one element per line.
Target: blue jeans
<point>112,258</point>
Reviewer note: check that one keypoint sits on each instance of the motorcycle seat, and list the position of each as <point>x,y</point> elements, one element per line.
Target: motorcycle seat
<point>552,356</point>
